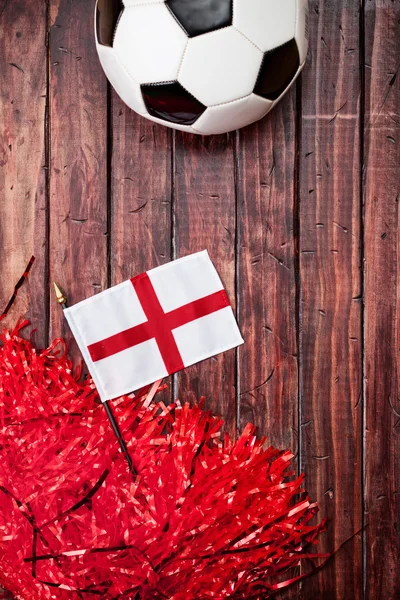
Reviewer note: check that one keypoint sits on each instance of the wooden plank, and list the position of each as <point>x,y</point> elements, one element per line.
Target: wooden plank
<point>23,57</point>
<point>140,196</point>
<point>267,241</point>
<point>78,184</point>
<point>331,288</point>
<point>23,28</point>
<point>267,275</point>
<point>204,217</point>
<point>382,299</point>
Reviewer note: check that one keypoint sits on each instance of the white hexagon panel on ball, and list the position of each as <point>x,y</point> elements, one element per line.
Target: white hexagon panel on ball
<point>202,66</point>
<point>219,67</point>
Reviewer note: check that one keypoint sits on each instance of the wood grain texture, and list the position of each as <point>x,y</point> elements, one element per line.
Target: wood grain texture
<point>78,178</point>
<point>141,192</point>
<point>204,206</point>
<point>23,75</point>
<point>331,288</point>
<point>382,299</point>
<point>267,265</point>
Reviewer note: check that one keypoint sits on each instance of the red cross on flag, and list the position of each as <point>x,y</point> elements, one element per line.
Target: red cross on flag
<point>154,325</point>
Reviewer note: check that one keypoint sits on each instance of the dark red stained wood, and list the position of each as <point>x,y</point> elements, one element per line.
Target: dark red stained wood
<point>78,184</point>
<point>140,195</point>
<point>204,218</point>
<point>382,299</point>
<point>23,28</point>
<point>267,292</point>
<point>331,288</point>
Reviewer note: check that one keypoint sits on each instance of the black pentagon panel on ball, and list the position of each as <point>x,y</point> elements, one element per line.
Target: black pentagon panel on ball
<point>201,16</point>
<point>278,69</point>
<point>108,13</point>
<point>172,103</point>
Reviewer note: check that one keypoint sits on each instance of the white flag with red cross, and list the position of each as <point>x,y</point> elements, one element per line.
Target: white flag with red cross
<point>153,325</point>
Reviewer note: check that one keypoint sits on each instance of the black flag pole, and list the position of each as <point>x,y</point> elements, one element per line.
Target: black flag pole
<point>62,301</point>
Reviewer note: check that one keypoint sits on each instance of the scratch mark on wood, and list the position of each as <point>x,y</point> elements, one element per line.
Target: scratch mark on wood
<point>139,209</point>
<point>16,67</point>
<point>344,229</point>
<point>279,261</point>
<point>258,387</point>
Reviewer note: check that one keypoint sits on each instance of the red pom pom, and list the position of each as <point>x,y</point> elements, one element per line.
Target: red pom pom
<point>203,518</point>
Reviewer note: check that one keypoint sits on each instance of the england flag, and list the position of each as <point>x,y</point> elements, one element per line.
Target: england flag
<point>153,325</point>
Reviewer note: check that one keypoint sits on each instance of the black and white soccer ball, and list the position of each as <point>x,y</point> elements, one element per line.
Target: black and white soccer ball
<point>203,66</point>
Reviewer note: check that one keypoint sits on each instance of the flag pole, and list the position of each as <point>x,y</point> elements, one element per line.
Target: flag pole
<point>62,301</point>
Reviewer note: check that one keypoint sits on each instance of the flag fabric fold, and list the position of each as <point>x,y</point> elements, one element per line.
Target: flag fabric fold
<point>154,325</point>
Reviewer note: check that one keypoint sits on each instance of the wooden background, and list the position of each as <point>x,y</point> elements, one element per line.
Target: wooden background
<point>300,213</point>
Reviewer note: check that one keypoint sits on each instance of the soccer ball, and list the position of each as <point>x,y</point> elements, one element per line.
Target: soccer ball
<point>203,66</point>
